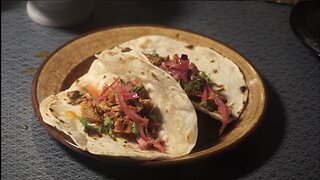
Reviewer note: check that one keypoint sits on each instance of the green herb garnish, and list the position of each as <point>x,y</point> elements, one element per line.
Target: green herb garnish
<point>110,133</point>
<point>204,104</point>
<point>136,89</point>
<point>122,82</point>
<point>84,122</point>
<point>154,53</point>
<point>194,85</point>
<point>134,128</point>
<point>103,128</point>
<point>107,122</point>
<point>206,77</point>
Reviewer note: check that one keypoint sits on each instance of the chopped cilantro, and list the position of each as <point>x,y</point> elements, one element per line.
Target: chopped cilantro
<point>204,104</point>
<point>134,128</point>
<point>122,82</point>
<point>206,77</point>
<point>105,125</point>
<point>110,133</point>
<point>107,121</point>
<point>194,85</point>
<point>103,128</point>
<point>84,122</point>
<point>136,89</point>
<point>154,53</point>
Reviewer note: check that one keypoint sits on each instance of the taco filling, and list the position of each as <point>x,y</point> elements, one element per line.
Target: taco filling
<point>123,109</point>
<point>124,106</point>
<point>213,81</point>
<point>197,84</point>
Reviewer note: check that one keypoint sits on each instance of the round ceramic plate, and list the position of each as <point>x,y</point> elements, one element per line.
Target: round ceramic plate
<point>73,59</point>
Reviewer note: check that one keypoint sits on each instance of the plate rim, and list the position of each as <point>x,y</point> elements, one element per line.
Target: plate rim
<point>119,160</point>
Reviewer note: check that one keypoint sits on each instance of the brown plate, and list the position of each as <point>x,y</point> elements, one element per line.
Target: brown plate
<point>73,59</point>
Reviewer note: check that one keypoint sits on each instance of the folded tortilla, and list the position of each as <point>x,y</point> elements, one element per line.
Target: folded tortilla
<point>179,121</point>
<point>221,70</point>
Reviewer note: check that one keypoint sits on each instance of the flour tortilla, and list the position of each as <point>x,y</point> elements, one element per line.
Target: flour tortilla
<point>221,70</point>
<point>179,121</point>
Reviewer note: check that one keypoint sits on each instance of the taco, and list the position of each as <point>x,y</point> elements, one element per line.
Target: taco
<point>214,83</point>
<point>124,107</point>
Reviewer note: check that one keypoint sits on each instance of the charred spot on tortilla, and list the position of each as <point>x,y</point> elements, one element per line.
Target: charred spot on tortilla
<point>74,97</point>
<point>155,59</point>
<point>47,114</point>
<point>219,87</point>
<point>77,81</point>
<point>172,88</point>
<point>212,61</point>
<point>177,35</point>
<point>52,110</point>
<point>104,76</point>
<point>126,49</point>
<point>92,133</point>
<point>190,46</point>
<point>215,71</point>
<point>155,76</point>
<point>142,72</point>
<point>243,89</point>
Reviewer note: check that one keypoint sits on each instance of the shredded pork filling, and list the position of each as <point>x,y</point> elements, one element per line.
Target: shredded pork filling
<point>105,114</point>
<point>197,84</point>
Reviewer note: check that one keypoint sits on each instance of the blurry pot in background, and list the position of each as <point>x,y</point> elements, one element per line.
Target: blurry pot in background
<point>60,13</point>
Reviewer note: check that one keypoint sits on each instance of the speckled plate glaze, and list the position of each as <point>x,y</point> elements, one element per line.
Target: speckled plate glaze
<point>73,59</point>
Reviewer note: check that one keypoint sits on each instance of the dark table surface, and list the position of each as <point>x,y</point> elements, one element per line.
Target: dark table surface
<point>284,146</point>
